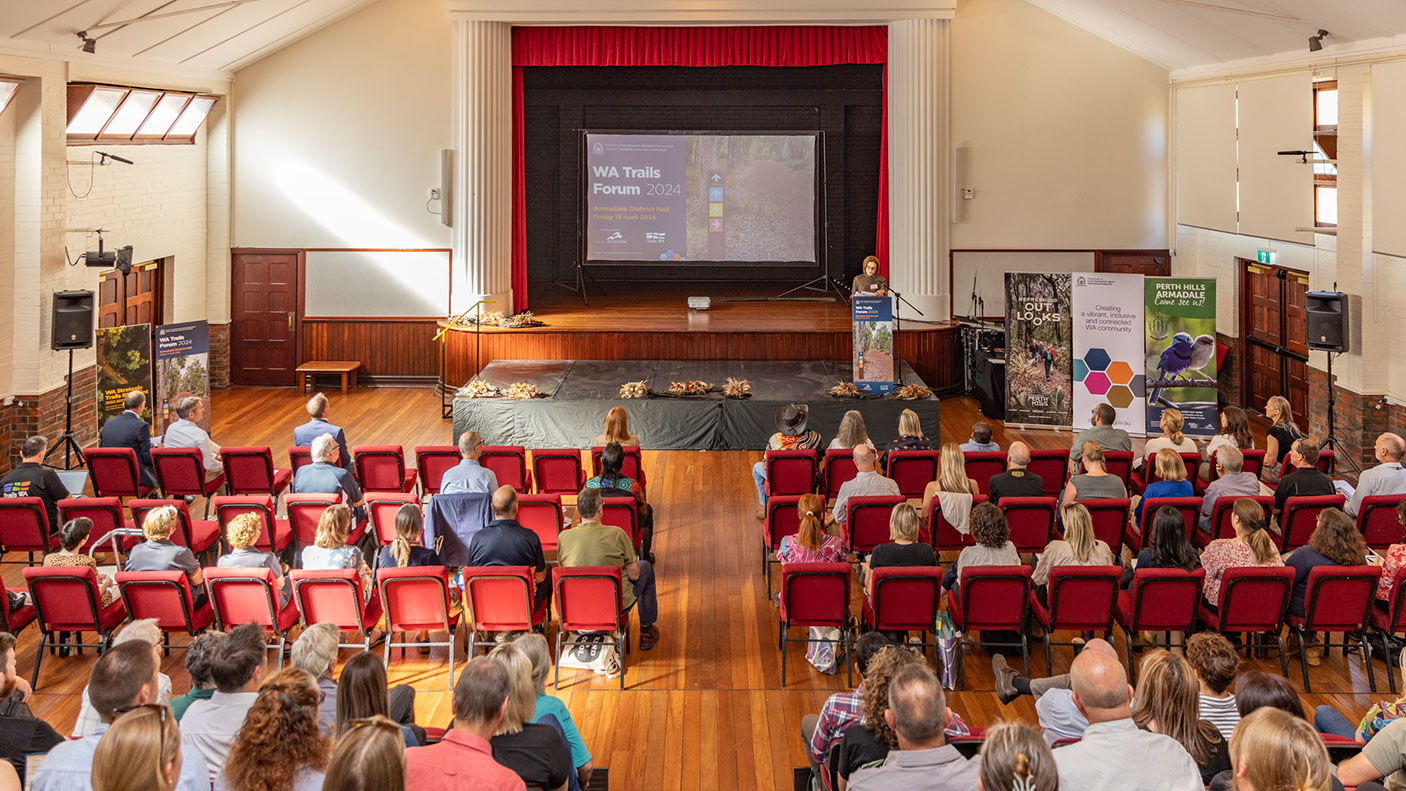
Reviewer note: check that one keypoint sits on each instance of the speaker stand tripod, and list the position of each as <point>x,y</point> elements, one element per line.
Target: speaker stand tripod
<point>70,445</point>
<point>1339,450</point>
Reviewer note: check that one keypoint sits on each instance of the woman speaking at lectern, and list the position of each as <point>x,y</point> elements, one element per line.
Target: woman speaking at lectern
<point>871,283</point>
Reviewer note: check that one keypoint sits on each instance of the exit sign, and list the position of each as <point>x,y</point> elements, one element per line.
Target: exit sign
<point>1266,256</point>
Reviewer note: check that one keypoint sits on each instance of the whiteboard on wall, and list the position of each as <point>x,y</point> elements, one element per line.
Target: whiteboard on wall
<point>988,268</point>
<point>376,283</point>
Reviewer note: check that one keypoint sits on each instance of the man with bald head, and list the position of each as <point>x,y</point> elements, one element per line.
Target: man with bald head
<point>505,542</point>
<point>1385,478</point>
<point>866,483</point>
<point>1115,753</point>
<point>1016,481</point>
<point>1054,696</point>
<point>918,714</point>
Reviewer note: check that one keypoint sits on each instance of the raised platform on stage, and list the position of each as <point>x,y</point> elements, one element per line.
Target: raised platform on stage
<point>581,392</point>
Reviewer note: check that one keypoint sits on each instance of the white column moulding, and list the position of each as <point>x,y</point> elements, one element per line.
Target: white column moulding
<point>482,163</point>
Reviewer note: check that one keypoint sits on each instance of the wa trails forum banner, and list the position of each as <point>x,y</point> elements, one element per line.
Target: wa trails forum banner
<point>124,365</point>
<point>1109,362</point>
<point>873,344</point>
<point>1037,349</point>
<point>183,368</point>
<point>1181,352</point>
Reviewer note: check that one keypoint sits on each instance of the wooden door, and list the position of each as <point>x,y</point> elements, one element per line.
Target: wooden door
<point>264,306</point>
<point>1272,323</point>
<point>1153,263</point>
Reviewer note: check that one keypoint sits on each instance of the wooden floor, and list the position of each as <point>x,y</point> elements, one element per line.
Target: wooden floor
<point>704,709</point>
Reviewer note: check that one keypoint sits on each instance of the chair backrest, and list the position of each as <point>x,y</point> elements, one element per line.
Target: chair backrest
<point>179,470</point>
<point>330,596</point>
<point>1396,612</point>
<point>1031,521</point>
<point>508,463</point>
<point>24,525</point>
<point>906,597</point>
<point>379,468</point>
<point>543,515</point>
<point>1376,520</point>
<point>66,598</point>
<point>815,594</point>
<point>141,508</point>
<point>1188,507</point>
<point>382,508</point>
<point>995,597</point>
<point>305,511</point>
<point>1255,598</point>
<point>114,471</point>
<point>1110,517</point>
<point>624,513</point>
<point>1254,461</point>
<point>1117,462</point>
<point>248,469</point>
<point>839,467</point>
<point>499,598</point>
<point>163,595</point>
<point>945,537</point>
<point>1221,512</point>
<point>12,621</point>
<point>434,460</point>
<point>228,507</point>
<point>1165,599</point>
<point>106,513</point>
<point>912,470</point>
<point>1300,518</point>
<point>1083,597</point>
<point>1339,598</point>
<point>300,456</point>
<point>867,520</point>
<point>415,598</point>
<point>982,466</point>
<point>791,471</point>
<point>630,467</point>
<point>783,518</point>
<point>1192,461</point>
<point>1052,465</point>
<point>557,470</point>
<point>588,598</point>
<point>243,596</point>
<point>1326,458</point>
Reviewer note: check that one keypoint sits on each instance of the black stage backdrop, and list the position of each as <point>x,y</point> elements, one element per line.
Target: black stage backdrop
<point>844,102</point>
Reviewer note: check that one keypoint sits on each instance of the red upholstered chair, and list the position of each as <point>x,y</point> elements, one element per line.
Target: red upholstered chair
<point>434,460</point>
<point>867,521</point>
<point>416,599</point>
<point>201,535</point>
<point>839,467</point>
<point>1117,462</point>
<point>1159,600</point>
<point>1393,619</point>
<point>1110,517</point>
<point>1254,461</point>
<point>945,537</point>
<point>912,470</point>
<point>167,597</point>
<point>1220,518</point>
<point>1326,458</point>
<point>1031,521</point>
<point>241,596</point>
<point>381,468</point>
<point>1300,519</point>
<point>589,599</point>
<point>1338,599</point>
<point>992,598</point>
<point>66,599</point>
<point>558,471</point>
<point>1376,520</point>
<point>905,599</point>
<point>1052,465</point>
<point>250,470</point>
<point>274,535</point>
<point>543,515</point>
<point>110,526</point>
<point>791,471</point>
<point>300,456</point>
<point>1082,598</point>
<point>508,463</point>
<point>1190,508</point>
<point>815,594</point>
<point>624,513</point>
<point>335,596</point>
<point>382,507</point>
<point>782,518</point>
<point>181,473</point>
<point>982,466</point>
<point>499,599</point>
<point>305,511</point>
<point>1253,599</point>
<point>632,467</point>
<point>13,621</point>
<point>115,472</point>
<point>24,526</point>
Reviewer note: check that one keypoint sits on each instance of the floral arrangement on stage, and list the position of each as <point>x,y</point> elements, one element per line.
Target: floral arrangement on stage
<point>634,390</point>
<point>912,393</point>
<point>846,390</point>
<point>524,390</point>
<point>478,388</point>
<point>497,319</point>
<point>737,388</point>
<point>693,387</point>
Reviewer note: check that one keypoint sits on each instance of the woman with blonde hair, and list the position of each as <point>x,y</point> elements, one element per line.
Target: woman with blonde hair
<point>330,549</point>
<point>535,751</point>
<point>811,544</point>
<point>1095,482</point>
<point>910,435</point>
<point>617,429</point>
<point>160,553</point>
<point>1279,437</point>
<point>241,536</point>
<point>1273,750</point>
<point>1251,546</point>
<point>535,646</point>
<point>1171,482</point>
<point>851,432</point>
<point>370,756</point>
<point>1167,700</point>
<point>1079,547</point>
<point>1171,423</point>
<point>279,747</point>
<point>141,751</point>
<point>903,548</point>
<point>1014,757</point>
<point>953,489</point>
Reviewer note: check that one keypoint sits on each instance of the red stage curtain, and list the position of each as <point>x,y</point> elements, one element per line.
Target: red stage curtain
<point>686,46</point>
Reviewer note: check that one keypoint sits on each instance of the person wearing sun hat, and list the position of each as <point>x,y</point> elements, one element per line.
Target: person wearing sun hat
<point>791,434</point>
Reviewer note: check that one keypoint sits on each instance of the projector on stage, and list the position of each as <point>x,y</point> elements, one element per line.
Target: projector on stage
<point>699,303</point>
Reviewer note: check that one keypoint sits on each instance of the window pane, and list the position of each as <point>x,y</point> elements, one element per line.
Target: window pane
<point>164,115</point>
<point>1327,206</point>
<point>1328,107</point>
<point>131,113</point>
<point>96,110</point>
<point>7,92</point>
<point>192,117</point>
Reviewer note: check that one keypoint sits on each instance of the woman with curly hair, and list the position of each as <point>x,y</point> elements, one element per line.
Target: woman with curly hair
<point>279,747</point>
<point>1334,542</point>
<point>1167,702</point>
<point>1014,756</point>
<point>872,738</point>
<point>993,545</point>
<point>241,536</point>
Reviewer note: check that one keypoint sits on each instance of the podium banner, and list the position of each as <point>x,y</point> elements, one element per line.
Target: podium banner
<point>1109,362</point>
<point>873,344</point>
<point>124,365</point>
<point>1037,348</point>
<point>1181,352</point>
<point>182,368</point>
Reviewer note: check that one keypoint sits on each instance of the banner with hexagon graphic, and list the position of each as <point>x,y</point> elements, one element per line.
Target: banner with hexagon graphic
<point>1109,360</point>
<point>1037,349</point>
<point>1181,352</point>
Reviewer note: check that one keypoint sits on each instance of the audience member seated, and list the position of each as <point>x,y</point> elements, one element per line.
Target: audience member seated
<point>1172,439</point>
<point>1214,661</point>
<point>1015,758</point>
<point>1235,433</point>
<point>1304,479</point>
<point>1095,482</point>
<point>1334,542</point>
<point>160,553</point>
<point>330,549</point>
<point>463,760</point>
<point>469,475</point>
<point>1114,752</point>
<point>279,746</point>
<point>1166,702</point>
<point>315,651</point>
<point>1327,719</point>
<point>1251,546</point>
<point>140,752</point>
<point>368,758</point>
<point>535,751</point>
<point>1016,481</point>
<point>1166,548</point>
<point>591,543</point>
<point>953,489</point>
<point>867,482</point>
<point>1392,561</point>
<point>123,679</point>
<point>917,713</point>
<point>820,732</point>
<point>72,536</point>
<point>1079,547</point>
<point>903,549</point>
<point>1274,750</point>
<point>363,692</point>
<point>910,435</point>
<point>868,741</point>
<point>199,656</point>
<point>993,546</point>
<point>1256,689</point>
<point>21,733</point>
<point>791,434</point>
<point>980,440</point>
<point>1280,436</point>
<point>617,429</point>
<point>32,479</point>
<point>408,547</point>
<point>810,544</point>
<point>1102,433</point>
<point>505,542</point>
<point>128,430</point>
<point>1385,478</point>
<point>611,483</point>
<point>851,433</point>
<point>1172,482</point>
<point>241,536</point>
<point>317,425</point>
<point>1233,482</point>
<point>210,726</point>
<point>1054,696</point>
<point>534,646</point>
<point>324,477</point>
<point>187,433</point>
<point>144,632</point>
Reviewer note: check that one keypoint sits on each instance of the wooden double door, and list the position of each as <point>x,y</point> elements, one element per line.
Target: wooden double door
<point>132,298</point>
<point>1273,324</point>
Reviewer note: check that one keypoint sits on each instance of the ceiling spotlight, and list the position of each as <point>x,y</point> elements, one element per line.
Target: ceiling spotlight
<point>90,45</point>
<point>1315,43</point>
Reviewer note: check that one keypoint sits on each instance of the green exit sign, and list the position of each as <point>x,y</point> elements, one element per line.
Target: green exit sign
<point>1266,256</point>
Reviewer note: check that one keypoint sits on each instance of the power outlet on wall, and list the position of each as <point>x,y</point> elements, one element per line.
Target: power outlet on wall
<point>434,193</point>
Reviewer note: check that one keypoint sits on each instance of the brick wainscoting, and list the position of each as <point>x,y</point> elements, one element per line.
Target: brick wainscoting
<point>44,414</point>
<point>219,356</point>
<point>1358,418</point>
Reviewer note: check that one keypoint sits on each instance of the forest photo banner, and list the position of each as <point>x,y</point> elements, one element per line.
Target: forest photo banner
<point>183,368</point>
<point>124,365</point>
<point>1037,349</point>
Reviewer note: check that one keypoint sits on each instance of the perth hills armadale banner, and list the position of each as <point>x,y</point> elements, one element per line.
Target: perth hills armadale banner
<point>1037,348</point>
<point>1109,359</point>
<point>1181,352</point>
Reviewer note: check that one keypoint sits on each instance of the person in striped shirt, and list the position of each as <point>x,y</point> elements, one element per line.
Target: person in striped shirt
<point>1214,661</point>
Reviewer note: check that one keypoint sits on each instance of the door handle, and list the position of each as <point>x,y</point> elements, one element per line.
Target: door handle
<point>290,321</point>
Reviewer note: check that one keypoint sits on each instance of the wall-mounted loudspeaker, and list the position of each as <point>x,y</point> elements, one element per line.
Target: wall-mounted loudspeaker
<point>446,186</point>
<point>72,327</point>
<point>1327,320</point>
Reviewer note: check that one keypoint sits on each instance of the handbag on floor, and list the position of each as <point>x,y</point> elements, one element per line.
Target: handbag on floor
<point>591,651</point>
<point>949,642</point>
<point>822,654</point>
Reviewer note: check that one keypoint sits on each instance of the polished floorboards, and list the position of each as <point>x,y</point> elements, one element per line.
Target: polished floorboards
<point>705,708</point>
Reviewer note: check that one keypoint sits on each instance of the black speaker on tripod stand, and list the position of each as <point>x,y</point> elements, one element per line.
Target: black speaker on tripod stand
<point>1326,320</point>
<point>71,328</point>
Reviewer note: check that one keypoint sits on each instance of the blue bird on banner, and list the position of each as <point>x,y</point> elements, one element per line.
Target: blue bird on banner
<point>1182,355</point>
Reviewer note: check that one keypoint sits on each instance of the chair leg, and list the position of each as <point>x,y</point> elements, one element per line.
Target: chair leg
<point>556,666</point>
<point>1303,657</point>
<point>1284,660</point>
<point>451,657</point>
<point>849,666</point>
<point>1025,652</point>
<point>624,642</point>
<point>783,656</point>
<point>282,641</point>
<point>38,657</point>
<point>1049,657</point>
<point>1390,676</point>
<point>1132,666</point>
<point>961,644</point>
<point>1366,659</point>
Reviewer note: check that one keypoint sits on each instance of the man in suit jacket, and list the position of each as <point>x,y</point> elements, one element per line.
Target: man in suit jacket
<point>304,435</point>
<point>128,430</point>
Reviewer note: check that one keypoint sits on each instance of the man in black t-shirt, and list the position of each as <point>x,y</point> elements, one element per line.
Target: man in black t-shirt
<point>1016,481</point>
<point>32,479</point>
<point>505,542</point>
<point>1305,480</point>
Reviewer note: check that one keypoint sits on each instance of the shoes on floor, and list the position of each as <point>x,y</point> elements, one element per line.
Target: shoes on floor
<point>1005,679</point>
<point>649,635</point>
<point>761,514</point>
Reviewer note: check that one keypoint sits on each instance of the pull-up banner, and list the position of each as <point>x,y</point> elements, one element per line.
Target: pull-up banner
<point>1037,349</point>
<point>1109,362</point>
<point>183,368</point>
<point>1181,352</point>
<point>873,344</point>
<point>124,365</point>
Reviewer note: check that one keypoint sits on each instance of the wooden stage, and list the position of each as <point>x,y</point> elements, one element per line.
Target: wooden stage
<point>705,708</point>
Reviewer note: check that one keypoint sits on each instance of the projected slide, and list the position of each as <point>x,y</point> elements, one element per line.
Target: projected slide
<point>700,198</point>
